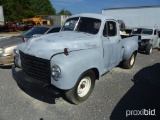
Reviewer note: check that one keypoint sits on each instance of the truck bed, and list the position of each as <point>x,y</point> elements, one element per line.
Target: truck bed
<point>128,36</point>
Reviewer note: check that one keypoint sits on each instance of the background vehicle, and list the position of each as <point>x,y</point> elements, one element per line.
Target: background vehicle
<point>7,45</point>
<point>38,31</point>
<point>21,25</point>
<point>128,31</point>
<point>39,20</point>
<point>149,38</point>
<point>47,19</point>
<point>24,26</point>
<point>88,46</point>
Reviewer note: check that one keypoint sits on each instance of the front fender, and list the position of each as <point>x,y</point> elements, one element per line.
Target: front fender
<point>73,65</point>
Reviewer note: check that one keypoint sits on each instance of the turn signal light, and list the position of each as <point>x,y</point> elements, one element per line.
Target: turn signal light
<point>10,55</point>
<point>66,51</point>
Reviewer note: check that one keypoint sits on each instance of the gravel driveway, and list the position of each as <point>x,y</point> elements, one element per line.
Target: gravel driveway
<point>115,93</point>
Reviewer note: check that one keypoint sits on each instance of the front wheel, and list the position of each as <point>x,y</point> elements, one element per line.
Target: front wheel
<point>149,49</point>
<point>82,90</point>
<point>128,64</point>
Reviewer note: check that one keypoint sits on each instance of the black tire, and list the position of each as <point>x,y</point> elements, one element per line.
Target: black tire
<point>149,49</point>
<point>73,96</point>
<point>159,46</point>
<point>128,64</point>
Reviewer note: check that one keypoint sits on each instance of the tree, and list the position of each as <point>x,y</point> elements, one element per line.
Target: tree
<point>43,7</point>
<point>16,10</point>
<point>64,12</point>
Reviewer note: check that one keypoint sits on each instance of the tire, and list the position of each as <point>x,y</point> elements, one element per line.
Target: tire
<point>128,64</point>
<point>149,49</point>
<point>159,46</point>
<point>83,88</point>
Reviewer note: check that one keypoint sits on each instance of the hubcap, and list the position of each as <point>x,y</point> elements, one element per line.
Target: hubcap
<point>84,87</point>
<point>150,50</point>
<point>132,60</point>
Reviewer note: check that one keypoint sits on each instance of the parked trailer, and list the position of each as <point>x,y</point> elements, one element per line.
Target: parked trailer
<point>136,16</point>
<point>1,16</point>
<point>58,19</point>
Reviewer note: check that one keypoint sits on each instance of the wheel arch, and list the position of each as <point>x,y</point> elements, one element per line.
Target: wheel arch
<point>96,72</point>
<point>135,52</point>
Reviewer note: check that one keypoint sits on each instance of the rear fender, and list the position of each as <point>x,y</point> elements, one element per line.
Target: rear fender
<point>130,47</point>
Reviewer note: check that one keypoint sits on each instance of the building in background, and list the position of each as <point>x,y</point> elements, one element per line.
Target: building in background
<point>1,16</point>
<point>136,16</point>
<point>58,19</point>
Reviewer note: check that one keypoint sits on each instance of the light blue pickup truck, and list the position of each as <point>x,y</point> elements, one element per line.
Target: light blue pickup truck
<point>69,62</point>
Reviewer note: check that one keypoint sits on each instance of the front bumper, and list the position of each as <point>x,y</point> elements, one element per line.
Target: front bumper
<point>34,85</point>
<point>6,60</point>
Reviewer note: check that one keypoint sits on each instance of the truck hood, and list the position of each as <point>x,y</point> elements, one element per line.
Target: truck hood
<point>48,45</point>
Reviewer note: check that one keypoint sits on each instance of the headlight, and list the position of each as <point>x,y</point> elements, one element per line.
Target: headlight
<point>1,50</point>
<point>55,71</point>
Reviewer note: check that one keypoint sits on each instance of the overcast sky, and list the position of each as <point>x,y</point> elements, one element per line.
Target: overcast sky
<point>96,6</point>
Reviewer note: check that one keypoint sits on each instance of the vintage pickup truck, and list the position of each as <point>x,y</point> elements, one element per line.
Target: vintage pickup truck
<point>69,62</point>
<point>149,38</point>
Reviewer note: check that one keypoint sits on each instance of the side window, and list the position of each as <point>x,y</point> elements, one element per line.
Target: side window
<point>155,32</point>
<point>110,29</point>
<point>53,30</point>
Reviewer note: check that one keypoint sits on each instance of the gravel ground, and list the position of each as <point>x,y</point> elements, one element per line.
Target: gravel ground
<point>114,94</point>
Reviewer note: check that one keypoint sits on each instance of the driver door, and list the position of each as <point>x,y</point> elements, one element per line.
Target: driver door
<point>112,45</point>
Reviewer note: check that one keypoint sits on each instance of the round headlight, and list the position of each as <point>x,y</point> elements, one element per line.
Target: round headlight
<point>1,50</point>
<point>55,71</point>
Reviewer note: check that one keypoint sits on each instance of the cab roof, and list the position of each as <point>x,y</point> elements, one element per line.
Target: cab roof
<point>144,27</point>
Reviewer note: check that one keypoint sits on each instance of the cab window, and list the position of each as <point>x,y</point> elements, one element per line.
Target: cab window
<point>110,29</point>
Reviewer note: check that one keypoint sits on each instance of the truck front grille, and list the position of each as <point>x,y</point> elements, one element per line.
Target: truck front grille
<point>36,68</point>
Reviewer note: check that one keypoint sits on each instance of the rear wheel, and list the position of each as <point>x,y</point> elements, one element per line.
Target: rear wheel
<point>128,64</point>
<point>149,49</point>
<point>82,90</point>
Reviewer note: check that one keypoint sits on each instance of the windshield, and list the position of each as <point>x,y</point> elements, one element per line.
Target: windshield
<point>35,30</point>
<point>70,24</point>
<point>142,31</point>
<point>82,24</point>
<point>147,31</point>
